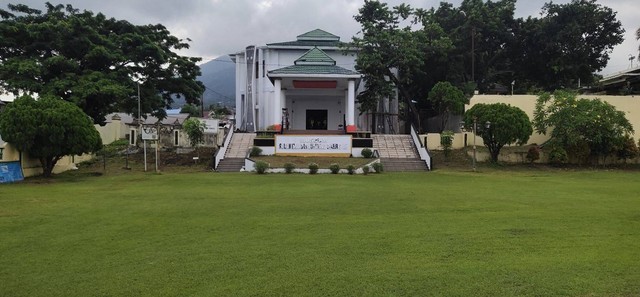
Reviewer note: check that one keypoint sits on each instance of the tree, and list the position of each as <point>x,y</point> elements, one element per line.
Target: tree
<point>390,54</point>
<point>93,61</point>
<point>192,110</point>
<point>446,100</point>
<point>638,38</point>
<point>566,45</point>
<point>48,129</point>
<point>195,131</point>
<point>499,124</point>
<point>587,127</point>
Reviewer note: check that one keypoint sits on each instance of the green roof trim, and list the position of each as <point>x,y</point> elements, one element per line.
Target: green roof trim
<point>314,69</point>
<point>315,56</point>
<point>317,35</point>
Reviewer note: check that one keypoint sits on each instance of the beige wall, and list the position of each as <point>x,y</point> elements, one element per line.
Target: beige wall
<point>31,166</point>
<point>630,105</point>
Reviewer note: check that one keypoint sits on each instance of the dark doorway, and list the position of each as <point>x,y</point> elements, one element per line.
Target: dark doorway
<point>316,119</point>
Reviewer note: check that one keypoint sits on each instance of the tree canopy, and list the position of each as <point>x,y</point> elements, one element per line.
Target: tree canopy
<point>580,124</point>
<point>447,100</point>
<point>498,124</point>
<point>195,131</point>
<point>480,45</point>
<point>48,129</point>
<point>94,61</point>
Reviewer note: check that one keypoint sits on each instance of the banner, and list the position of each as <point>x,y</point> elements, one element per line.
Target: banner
<point>10,172</point>
<point>308,145</point>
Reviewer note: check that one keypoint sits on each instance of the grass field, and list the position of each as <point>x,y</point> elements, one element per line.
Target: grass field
<point>442,233</point>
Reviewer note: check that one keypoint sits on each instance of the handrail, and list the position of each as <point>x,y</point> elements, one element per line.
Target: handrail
<point>422,151</point>
<point>223,150</point>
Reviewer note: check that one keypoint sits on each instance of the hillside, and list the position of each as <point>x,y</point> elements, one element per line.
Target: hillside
<point>219,77</point>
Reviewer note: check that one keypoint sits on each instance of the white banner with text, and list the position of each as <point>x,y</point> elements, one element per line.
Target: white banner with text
<point>317,145</point>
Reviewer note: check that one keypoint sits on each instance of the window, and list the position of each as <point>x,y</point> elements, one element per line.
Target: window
<point>176,137</point>
<point>132,137</point>
<point>263,68</point>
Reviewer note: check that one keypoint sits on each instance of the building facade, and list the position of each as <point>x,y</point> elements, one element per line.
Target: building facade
<point>306,84</point>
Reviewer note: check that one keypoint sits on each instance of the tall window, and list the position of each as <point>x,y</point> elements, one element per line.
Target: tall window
<point>132,137</point>
<point>176,137</point>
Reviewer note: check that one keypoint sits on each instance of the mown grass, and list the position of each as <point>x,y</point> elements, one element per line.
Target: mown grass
<point>441,233</point>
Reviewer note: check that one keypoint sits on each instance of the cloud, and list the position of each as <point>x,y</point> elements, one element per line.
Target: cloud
<point>220,27</point>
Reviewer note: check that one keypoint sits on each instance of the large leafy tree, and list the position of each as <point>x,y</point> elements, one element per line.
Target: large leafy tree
<point>578,123</point>
<point>480,44</point>
<point>447,100</point>
<point>391,52</point>
<point>48,129</point>
<point>94,61</point>
<point>566,45</point>
<point>498,124</point>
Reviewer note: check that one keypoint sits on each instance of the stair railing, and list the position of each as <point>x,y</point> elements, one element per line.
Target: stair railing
<point>223,150</point>
<point>422,150</point>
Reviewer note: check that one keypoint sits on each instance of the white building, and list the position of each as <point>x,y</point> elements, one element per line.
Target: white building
<point>306,84</point>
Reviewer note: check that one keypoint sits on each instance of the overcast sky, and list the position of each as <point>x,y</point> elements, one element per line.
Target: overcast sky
<point>219,27</point>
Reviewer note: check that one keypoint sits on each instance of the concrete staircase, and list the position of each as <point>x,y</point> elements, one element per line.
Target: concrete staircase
<point>236,152</point>
<point>230,165</point>
<point>398,153</point>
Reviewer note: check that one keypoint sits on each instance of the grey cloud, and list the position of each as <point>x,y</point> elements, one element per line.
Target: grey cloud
<point>219,27</point>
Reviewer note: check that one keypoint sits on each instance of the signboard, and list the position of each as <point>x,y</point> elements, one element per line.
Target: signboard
<point>310,145</point>
<point>149,133</point>
<point>211,126</point>
<point>10,172</point>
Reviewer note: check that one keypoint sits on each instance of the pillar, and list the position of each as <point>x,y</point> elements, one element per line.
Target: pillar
<point>351,106</point>
<point>277,105</point>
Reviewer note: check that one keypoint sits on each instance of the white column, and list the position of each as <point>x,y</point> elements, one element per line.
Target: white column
<point>277,104</point>
<point>351,103</point>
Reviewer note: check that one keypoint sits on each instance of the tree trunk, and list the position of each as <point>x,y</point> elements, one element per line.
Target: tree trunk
<point>47,164</point>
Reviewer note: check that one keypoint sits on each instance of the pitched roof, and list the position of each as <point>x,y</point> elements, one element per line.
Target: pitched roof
<point>316,37</point>
<point>315,56</point>
<point>313,69</point>
<point>314,61</point>
<point>318,34</point>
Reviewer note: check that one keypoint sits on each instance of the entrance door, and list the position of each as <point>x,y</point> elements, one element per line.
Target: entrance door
<point>317,119</point>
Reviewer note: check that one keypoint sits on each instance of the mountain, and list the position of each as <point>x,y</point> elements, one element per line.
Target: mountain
<point>219,78</point>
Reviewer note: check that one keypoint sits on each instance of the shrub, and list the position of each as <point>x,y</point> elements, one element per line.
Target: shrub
<point>335,168</point>
<point>313,168</point>
<point>288,167</point>
<point>255,151</point>
<point>558,155</point>
<point>261,167</point>
<point>628,149</point>
<point>378,167</point>
<point>365,170</point>
<point>533,154</point>
<point>367,153</point>
<point>446,141</point>
<point>351,169</point>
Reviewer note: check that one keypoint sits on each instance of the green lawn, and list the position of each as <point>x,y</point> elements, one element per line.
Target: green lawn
<point>442,233</point>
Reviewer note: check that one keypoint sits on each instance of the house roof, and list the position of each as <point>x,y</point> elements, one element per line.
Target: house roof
<point>313,69</point>
<point>315,56</point>
<point>318,34</point>
<point>314,62</point>
<point>317,37</point>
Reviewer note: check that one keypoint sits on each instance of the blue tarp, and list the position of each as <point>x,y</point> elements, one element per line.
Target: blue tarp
<point>10,172</point>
